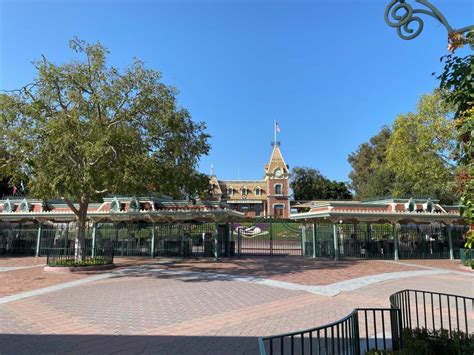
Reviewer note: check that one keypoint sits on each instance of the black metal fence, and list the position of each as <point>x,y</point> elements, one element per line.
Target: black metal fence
<point>362,329</point>
<point>261,237</point>
<point>268,236</point>
<point>367,329</point>
<point>435,311</point>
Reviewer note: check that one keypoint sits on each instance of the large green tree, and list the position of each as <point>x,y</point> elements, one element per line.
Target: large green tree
<point>370,176</point>
<point>84,129</point>
<point>420,151</point>
<point>310,184</point>
<point>457,82</point>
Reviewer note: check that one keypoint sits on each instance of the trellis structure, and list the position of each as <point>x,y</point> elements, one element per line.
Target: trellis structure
<point>134,226</point>
<point>383,229</point>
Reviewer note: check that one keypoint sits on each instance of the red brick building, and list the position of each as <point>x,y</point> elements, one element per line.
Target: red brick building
<point>269,197</point>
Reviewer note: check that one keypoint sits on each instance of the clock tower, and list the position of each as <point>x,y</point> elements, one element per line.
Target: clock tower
<point>277,176</point>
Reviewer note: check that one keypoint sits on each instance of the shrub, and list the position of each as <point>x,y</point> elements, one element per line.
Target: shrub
<point>431,342</point>
<point>96,261</point>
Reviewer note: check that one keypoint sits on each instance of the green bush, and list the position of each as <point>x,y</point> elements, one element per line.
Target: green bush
<point>429,342</point>
<point>96,261</point>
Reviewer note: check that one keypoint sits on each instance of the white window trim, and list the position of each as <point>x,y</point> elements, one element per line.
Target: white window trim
<point>281,188</point>
<point>231,189</point>
<point>259,189</point>
<point>242,191</point>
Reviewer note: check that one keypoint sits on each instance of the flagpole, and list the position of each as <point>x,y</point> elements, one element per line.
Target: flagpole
<point>275,131</point>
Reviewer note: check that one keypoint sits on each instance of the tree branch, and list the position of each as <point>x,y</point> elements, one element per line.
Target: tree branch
<point>71,206</point>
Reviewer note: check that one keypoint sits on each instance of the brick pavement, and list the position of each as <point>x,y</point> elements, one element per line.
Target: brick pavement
<point>304,271</point>
<point>153,313</point>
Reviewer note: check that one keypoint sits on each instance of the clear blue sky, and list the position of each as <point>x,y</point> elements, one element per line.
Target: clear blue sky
<point>331,72</point>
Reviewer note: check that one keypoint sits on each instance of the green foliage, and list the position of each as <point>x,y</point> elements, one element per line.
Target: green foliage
<point>310,184</point>
<point>84,129</point>
<point>96,261</point>
<point>370,176</point>
<point>414,157</point>
<point>429,342</point>
<point>457,80</point>
<point>420,151</point>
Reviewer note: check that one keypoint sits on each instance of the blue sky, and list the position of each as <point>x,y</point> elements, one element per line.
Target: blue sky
<point>330,72</point>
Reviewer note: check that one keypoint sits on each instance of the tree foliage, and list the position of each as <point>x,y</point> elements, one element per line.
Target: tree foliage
<point>310,184</point>
<point>420,151</point>
<point>84,129</point>
<point>457,81</point>
<point>413,157</point>
<point>370,176</point>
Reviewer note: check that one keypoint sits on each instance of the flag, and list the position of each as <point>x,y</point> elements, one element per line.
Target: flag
<point>22,186</point>
<point>277,127</point>
<point>14,190</point>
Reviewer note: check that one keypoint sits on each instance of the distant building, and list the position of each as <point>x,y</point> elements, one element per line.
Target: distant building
<point>269,197</point>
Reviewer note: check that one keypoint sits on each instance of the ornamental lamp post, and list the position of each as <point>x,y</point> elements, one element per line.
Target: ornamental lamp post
<point>402,16</point>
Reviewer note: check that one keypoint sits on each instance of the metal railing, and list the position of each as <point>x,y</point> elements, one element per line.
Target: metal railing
<point>434,311</point>
<point>367,329</point>
<point>361,330</point>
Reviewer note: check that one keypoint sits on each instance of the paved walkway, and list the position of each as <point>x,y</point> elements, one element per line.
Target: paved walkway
<point>185,308</point>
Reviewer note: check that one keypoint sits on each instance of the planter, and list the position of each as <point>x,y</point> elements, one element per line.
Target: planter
<point>69,269</point>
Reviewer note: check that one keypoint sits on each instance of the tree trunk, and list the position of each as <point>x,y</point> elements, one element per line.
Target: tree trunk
<point>81,217</point>
<point>80,241</point>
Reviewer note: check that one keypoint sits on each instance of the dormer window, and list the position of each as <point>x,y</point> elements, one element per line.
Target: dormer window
<point>230,191</point>
<point>243,191</point>
<point>410,206</point>
<point>258,191</point>
<point>278,190</point>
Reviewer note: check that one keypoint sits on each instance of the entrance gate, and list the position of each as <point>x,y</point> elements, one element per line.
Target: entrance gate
<point>268,237</point>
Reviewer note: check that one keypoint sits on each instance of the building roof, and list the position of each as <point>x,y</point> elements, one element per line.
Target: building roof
<point>276,160</point>
<point>120,209</point>
<point>384,210</point>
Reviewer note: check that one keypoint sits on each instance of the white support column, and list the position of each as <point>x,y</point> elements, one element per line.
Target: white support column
<point>152,251</point>
<point>336,241</point>
<point>314,240</point>
<point>38,240</point>
<point>450,241</point>
<point>303,240</point>
<point>395,242</point>
<point>94,233</point>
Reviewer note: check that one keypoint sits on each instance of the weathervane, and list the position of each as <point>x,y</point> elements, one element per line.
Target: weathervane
<point>401,15</point>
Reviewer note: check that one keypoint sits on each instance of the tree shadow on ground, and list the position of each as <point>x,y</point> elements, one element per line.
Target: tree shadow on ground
<point>230,269</point>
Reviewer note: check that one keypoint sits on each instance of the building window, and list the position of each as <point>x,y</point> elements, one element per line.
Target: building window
<point>243,191</point>
<point>278,189</point>
<point>257,191</point>
<point>257,210</point>
<point>230,191</point>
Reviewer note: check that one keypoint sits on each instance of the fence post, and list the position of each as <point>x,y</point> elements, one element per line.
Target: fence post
<point>271,236</point>
<point>38,240</point>
<point>152,251</point>
<point>229,240</point>
<point>303,240</point>
<point>450,241</point>
<point>314,240</point>
<point>336,242</point>
<point>239,243</point>
<point>356,331</point>
<point>66,239</point>
<point>94,232</point>
<point>395,241</point>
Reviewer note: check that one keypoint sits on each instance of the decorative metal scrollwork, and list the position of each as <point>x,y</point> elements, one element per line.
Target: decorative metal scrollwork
<point>402,16</point>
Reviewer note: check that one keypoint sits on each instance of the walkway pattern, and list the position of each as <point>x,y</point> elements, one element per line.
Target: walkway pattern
<point>201,307</point>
